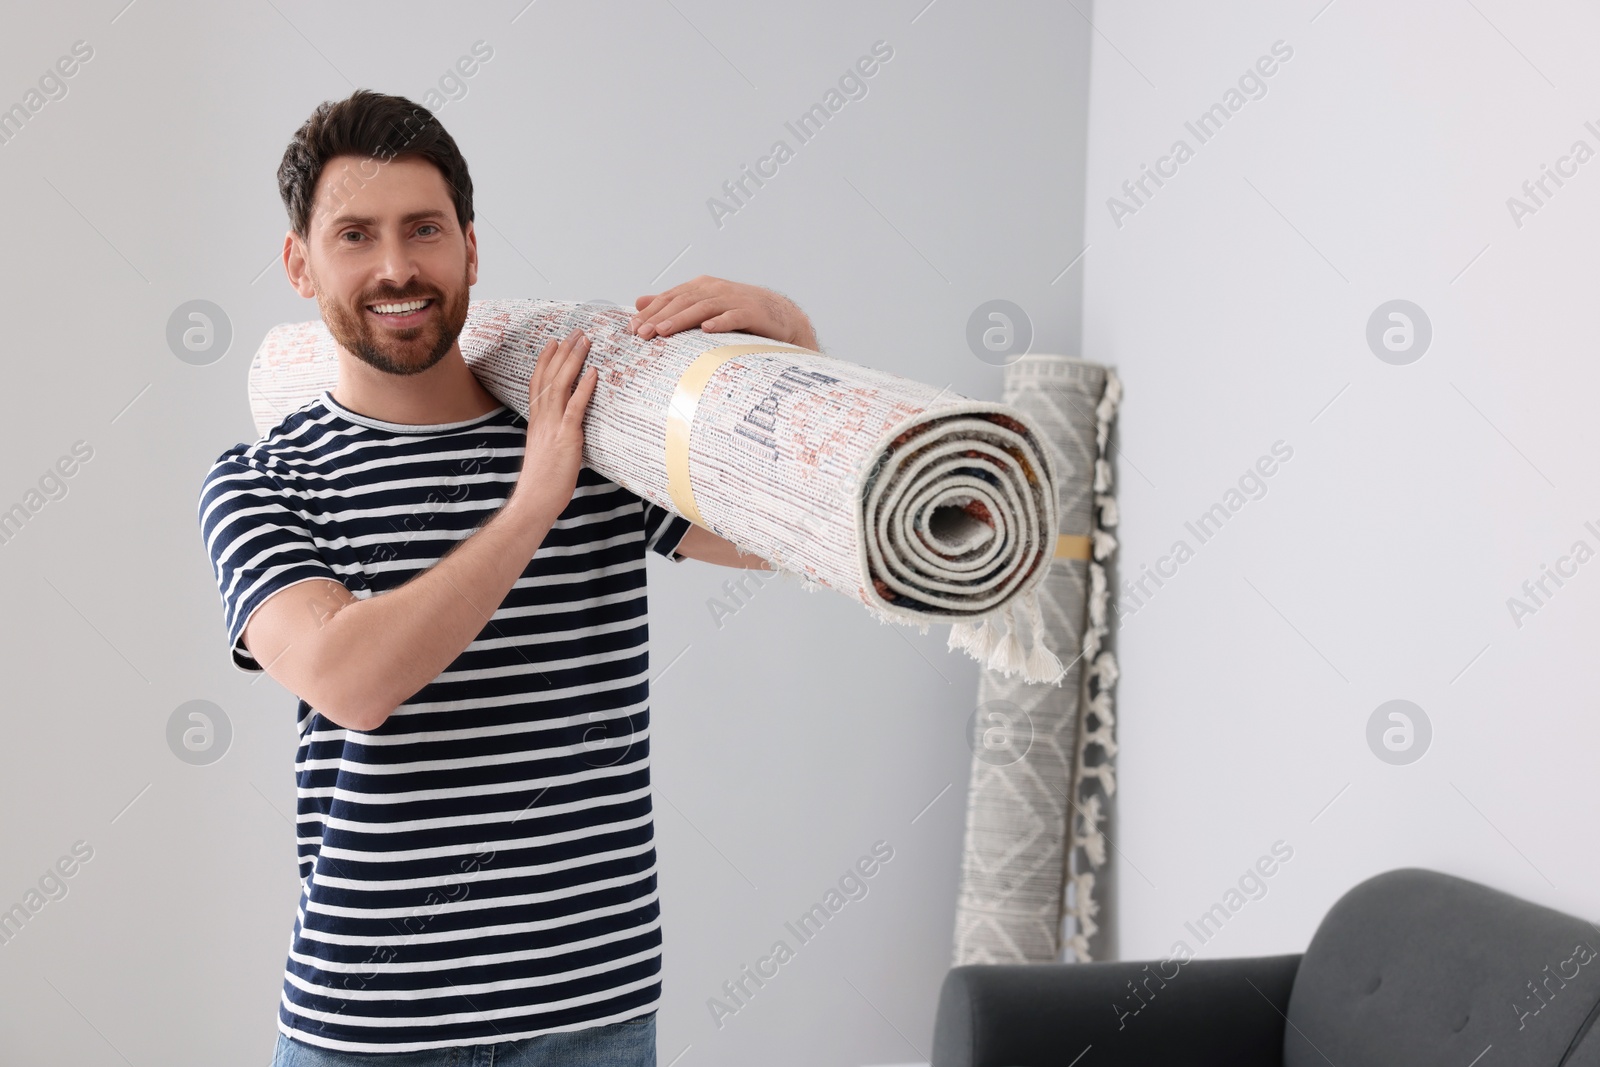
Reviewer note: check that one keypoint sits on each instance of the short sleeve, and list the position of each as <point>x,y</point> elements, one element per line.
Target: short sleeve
<point>664,531</point>
<point>257,543</point>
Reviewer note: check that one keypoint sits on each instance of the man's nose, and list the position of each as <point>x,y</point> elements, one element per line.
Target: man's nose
<point>397,266</point>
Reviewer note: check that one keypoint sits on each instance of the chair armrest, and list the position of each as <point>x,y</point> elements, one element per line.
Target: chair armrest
<point>1200,1013</point>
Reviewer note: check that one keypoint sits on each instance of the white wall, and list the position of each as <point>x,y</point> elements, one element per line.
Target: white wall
<point>786,742</point>
<point>1419,497</point>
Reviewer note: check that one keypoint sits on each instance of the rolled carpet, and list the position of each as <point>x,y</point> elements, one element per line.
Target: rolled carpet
<point>1033,883</point>
<point>927,506</point>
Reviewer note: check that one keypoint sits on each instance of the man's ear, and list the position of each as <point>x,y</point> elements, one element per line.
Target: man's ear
<point>295,265</point>
<point>472,254</point>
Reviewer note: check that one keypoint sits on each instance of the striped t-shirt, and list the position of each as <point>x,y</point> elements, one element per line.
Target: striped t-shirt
<point>482,866</point>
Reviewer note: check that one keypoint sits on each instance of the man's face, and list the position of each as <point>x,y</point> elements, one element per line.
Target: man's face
<point>381,234</point>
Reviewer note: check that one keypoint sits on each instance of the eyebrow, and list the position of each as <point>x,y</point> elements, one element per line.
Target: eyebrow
<point>367,220</point>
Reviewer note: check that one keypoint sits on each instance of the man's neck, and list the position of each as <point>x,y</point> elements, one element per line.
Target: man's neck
<point>445,392</point>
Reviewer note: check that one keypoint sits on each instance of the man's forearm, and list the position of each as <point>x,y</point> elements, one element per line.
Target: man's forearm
<point>703,545</point>
<point>377,653</point>
<point>807,338</point>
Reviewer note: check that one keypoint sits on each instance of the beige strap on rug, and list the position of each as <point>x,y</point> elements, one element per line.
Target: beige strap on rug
<point>680,418</point>
<point>1072,546</point>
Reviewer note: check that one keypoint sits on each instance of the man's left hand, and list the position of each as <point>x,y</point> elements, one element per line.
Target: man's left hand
<point>716,305</point>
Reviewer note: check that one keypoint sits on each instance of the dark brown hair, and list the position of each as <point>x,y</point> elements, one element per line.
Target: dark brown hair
<point>368,124</point>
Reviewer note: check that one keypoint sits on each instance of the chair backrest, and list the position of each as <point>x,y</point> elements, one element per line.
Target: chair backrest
<point>1415,968</point>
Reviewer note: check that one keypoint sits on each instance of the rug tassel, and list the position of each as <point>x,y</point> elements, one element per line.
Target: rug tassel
<point>988,644</point>
<point>965,636</point>
<point>1042,665</point>
<point>1008,658</point>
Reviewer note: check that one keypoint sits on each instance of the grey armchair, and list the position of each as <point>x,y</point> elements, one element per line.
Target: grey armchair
<point>1410,968</point>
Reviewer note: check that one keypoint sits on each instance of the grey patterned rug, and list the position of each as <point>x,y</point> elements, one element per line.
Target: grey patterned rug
<point>1033,862</point>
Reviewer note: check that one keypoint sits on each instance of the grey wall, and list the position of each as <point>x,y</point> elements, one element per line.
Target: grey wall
<point>1381,561</point>
<point>787,741</point>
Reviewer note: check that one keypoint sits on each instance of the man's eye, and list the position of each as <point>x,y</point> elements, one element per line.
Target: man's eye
<point>426,226</point>
<point>350,233</point>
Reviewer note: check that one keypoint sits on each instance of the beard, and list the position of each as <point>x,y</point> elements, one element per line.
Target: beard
<point>401,352</point>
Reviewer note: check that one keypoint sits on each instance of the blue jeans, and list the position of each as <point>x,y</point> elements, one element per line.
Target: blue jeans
<point>631,1043</point>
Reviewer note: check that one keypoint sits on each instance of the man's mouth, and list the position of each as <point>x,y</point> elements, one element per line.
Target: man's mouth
<point>402,312</point>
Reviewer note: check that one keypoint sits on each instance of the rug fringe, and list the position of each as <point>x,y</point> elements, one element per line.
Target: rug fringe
<point>1099,676</point>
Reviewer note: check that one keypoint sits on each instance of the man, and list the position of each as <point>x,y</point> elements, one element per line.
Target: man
<point>459,605</point>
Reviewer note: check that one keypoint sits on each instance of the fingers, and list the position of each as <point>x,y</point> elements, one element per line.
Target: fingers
<point>648,307</point>
<point>578,403</point>
<point>659,315</point>
<point>676,314</point>
<point>576,348</point>
<point>694,315</point>
<point>732,319</point>
<point>667,304</point>
<point>652,309</point>
<point>553,374</point>
<point>543,368</point>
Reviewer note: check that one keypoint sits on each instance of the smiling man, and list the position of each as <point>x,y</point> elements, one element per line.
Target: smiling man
<point>459,604</point>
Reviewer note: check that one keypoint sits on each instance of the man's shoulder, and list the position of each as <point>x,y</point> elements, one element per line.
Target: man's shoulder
<point>273,457</point>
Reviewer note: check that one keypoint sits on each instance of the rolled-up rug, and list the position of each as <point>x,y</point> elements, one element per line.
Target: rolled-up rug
<point>927,506</point>
<point>1033,866</point>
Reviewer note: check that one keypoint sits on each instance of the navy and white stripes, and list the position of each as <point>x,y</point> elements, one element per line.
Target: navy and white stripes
<point>481,867</point>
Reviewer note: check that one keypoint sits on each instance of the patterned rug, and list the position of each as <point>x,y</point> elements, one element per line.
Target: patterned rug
<point>926,506</point>
<point>1042,768</point>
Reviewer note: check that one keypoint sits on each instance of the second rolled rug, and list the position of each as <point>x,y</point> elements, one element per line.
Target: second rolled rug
<point>924,505</point>
<point>1033,865</point>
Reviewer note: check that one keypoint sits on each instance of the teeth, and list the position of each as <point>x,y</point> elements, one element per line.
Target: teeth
<point>399,309</point>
